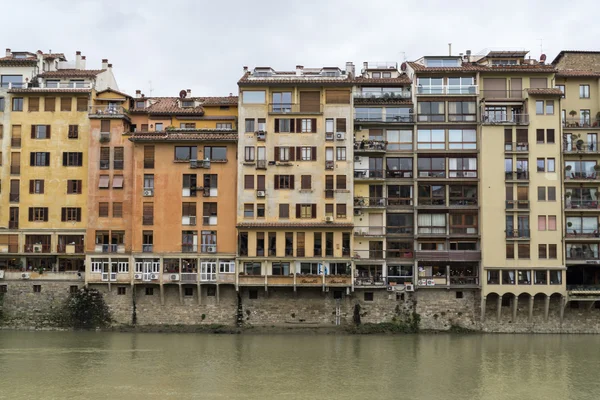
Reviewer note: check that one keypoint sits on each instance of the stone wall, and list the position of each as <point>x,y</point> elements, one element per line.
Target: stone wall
<point>442,309</point>
<point>584,61</point>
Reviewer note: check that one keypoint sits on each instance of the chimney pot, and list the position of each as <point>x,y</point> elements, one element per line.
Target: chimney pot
<point>78,53</point>
<point>109,65</point>
<point>245,68</point>
<point>8,53</point>
<point>230,94</point>
<point>83,57</point>
<point>40,52</point>
<point>104,63</point>
<point>105,60</point>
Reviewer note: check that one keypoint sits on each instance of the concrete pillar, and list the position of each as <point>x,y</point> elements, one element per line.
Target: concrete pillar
<point>180,294</point>
<point>530,317</point>
<point>162,294</point>
<point>563,304</point>
<point>546,308</point>
<point>199,294</point>
<point>217,293</point>
<point>483,302</point>
<point>514,308</point>
<point>499,309</point>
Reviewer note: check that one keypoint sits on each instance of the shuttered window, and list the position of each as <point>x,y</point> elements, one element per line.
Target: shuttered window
<point>148,216</point>
<point>340,182</point>
<point>70,214</point>
<point>65,103</point>
<point>82,104</point>
<point>260,182</point>
<point>73,186</point>
<point>40,131</point>
<point>310,102</point>
<point>306,125</point>
<point>103,209</point>
<point>538,83</point>
<point>304,211</point>
<point>188,209</point>
<point>148,156</point>
<point>103,181</point>
<point>337,97</point>
<point>248,181</point>
<point>340,211</point>
<point>340,124</point>
<point>73,131</point>
<point>50,104</point>
<point>39,159</point>
<point>72,159</point>
<point>38,214</point>
<point>105,125</point>
<point>117,210</point>
<point>284,210</point>
<point>117,182</point>
<point>34,104</point>
<point>118,158</point>
<point>36,186</point>
<point>284,181</point>
<point>104,157</point>
<point>305,182</point>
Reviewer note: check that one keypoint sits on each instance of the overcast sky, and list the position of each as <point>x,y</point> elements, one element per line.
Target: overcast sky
<point>163,46</point>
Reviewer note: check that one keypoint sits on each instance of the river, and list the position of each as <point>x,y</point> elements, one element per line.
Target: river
<point>101,365</point>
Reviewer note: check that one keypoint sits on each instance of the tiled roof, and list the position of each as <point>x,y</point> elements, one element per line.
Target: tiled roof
<point>545,91</point>
<point>60,56</point>
<point>563,52</point>
<point>72,73</point>
<point>211,117</point>
<point>566,73</point>
<point>381,100</point>
<point>18,61</point>
<point>48,90</point>
<point>311,80</point>
<point>218,101</point>
<point>113,91</point>
<point>470,67</point>
<point>168,105</point>
<point>401,80</point>
<point>182,135</point>
<point>294,225</point>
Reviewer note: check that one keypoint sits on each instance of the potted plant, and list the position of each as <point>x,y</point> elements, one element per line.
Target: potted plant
<point>572,113</point>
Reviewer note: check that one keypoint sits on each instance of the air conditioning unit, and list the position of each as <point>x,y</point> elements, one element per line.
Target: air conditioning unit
<point>358,212</point>
<point>137,276</point>
<point>206,164</point>
<point>409,287</point>
<point>260,193</point>
<point>390,288</point>
<point>329,219</point>
<point>193,164</point>
<point>211,249</point>
<point>1,274</point>
<point>25,275</point>
<point>148,192</point>
<point>37,248</point>
<point>174,277</point>
<point>192,220</point>
<point>356,158</point>
<point>154,276</point>
<point>340,135</point>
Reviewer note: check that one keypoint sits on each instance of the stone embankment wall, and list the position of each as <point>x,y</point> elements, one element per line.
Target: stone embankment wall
<point>22,306</point>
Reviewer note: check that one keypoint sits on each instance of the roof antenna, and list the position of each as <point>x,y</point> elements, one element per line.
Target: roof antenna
<point>150,88</point>
<point>403,55</point>
<point>541,46</point>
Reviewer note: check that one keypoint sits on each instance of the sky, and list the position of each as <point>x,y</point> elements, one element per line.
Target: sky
<point>162,47</point>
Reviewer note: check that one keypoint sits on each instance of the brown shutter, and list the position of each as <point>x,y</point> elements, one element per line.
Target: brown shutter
<point>522,136</point>
<point>249,182</point>
<point>276,125</point>
<point>47,131</point>
<point>42,187</point>
<point>291,181</point>
<point>340,125</point>
<point>31,213</point>
<point>313,210</point>
<point>313,125</point>
<point>45,213</point>
<point>298,153</point>
<point>78,214</point>
<point>31,185</point>
<point>298,125</point>
<point>507,135</point>
<point>276,153</point>
<point>260,182</point>
<point>313,153</point>
<point>292,125</point>
<point>33,131</point>
<point>292,154</point>
<point>310,101</point>
<point>63,214</point>
<point>298,208</point>
<point>276,182</point>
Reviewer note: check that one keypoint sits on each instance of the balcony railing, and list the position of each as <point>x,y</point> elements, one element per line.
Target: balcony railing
<point>77,248</point>
<point>463,230</point>
<point>50,85</point>
<point>453,173</point>
<point>581,147</point>
<point>581,175</point>
<point>391,253</point>
<point>189,276</point>
<point>37,248</point>
<point>518,234</point>
<point>448,255</point>
<point>577,204</point>
<point>369,201</point>
<point>391,65</point>
<point>261,164</point>
<point>377,280</point>
<point>369,254</point>
<point>448,90</point>
<point>431,230</point>
<point>14,198</point>
<point>399,174</point>
<point>400,230</point>
<point>432,174</point>
<point>107,248</point>
<point>329,164</point>
<point>399,202</point>
<point>404,118</point>
<point>580,122</point>
<point>516,175</point>
<point>580,254</point>
<point>368,174</point>
<point>147,248</point>
<point>388,94</point>
<point>189,248</point>
<point>463,202</point>
<point>370,145</point>
<point>295,108</point>
<point>106,110</point>
<point>582,232</point>
<point>441,202</point>
<point>508,119</point>
<point>517,204</point>
<point>369,230</point>
<point>464,280</point>
<point>520,147</point>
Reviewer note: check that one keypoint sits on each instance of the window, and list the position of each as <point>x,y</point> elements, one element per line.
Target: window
<point>523,250</point>
<point>399,140</point>
<point>40,131</point>
<point>308,125</point>
<point>285,125</point>
<point>541,222</point>
<point>73,132</point>
<point>552,251</point>
<point>117,182</point>
<point>462,111</point>
<point>340,153</point>
<point>50,104</point>
<point>539,135</point>
<point>248,181</point>
<point>284,210</point>
<point>65,103</point>
<point>462,167</point>
<point>462,139</point>
<point>337,96</point>
<point>147,214</point>
<point>36,186</point>
<point>70,214</point>
<point>250,125</point>
<point>551,193</point>
<point>38,213</point>
<point>549,136</point>
<point>74,186</point>
<point>340,124</point>
<point>306,211</point>
<point>117,210</point>
<point>149,291</point>
<point>305,182</point>
<point>340,211</point>
<point>542,251</point>
<point>260,182</point>
<point>103,210</point>
<point>281,268</point>
<point>551,222</point>
<point>148,156</point>
<point>433,167</point>
<point>37,288</point>
<point>248,210</point>
<point>253,97</point>
<point>72,159</point>
<point>284,182</point>
<point>182,125</point>
<point>510,251</point>
<point>584,91</point>
<point>214,153</point>
<point>307,153</point>
<point>539,107</point>
<point>186,153</point>
<point>329,210</point>
<point>541,193</point>
<point>549,107</point>
<point>432,223</point>
<point>17,104</point>
<point>118,159</point>
<point>2,105</point>
<point>340,182</point>
<point>431,111</point>
<point>224,125</point>
<point>82,104</point>
<point>260,210</point>
<point>34,104</point>
<point>121,290</point>
<point>368,296</point>
<point>39,159</point>
<point>431,139</point>
<point>541,165</point>
<point>249,152</point>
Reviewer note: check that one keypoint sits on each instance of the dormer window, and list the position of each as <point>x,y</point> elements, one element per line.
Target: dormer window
<point>78,83</point>
<point>140,104</point>
<point>187,103</point>
<point>19,55</point>
<point>263,72</point>
<point>386,75</point>
<point>376,74</point>
<point>442,62</point>
<point>52,83</point>
<point>497,63</point>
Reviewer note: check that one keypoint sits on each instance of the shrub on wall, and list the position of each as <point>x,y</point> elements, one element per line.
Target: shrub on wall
<point>87,309</point>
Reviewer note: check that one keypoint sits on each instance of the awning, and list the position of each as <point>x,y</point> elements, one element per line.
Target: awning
<point>103,184</point>
<point>118,181</point>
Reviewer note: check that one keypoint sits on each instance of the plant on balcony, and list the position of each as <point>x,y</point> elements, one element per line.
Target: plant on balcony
<point>597,167</point>
<point>572,113</point>
<point>569,224</point>
<point>568,168</point>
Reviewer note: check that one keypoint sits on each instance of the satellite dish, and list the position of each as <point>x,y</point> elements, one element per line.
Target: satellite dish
<point>403,66</point>
<point>182,94</point>
<point>543,58</point>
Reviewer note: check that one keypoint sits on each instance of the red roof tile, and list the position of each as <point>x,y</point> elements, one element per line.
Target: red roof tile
<point>48,90</point>
<point>168,105</point>
<point>113,91</point>
<point>470,67</point>
<point>566,73</point>
<point>218,101</point>
<point>311,80</point>
<point>563,52</point>
<point>401,80</point>
<point>60,56</point>
<point>294,225</point>
<point>182,135</point>
<point>545,91</point>
<point>72,73</point>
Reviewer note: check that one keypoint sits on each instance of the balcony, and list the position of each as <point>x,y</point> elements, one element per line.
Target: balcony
<point>14,197</point>
<point>295,108</point>
<point>432,231</point>
<point>46,86</point>
<point>504,119</point>
<point>432,202</point>
<point>110,248</point>
<point>400,230</point>
<point>522,147</point>
<point>517,234</point>
<point>70,248</point>
<point>338,280</point>
<point>512,205</point>
<point>280,280</point>
<point>448,90</point>
<point>581,147</point>
<point>147,248</point>
<point>580,176</point>
<point>399,174</point>
<point>582,123</point>
<point>261,164</point>
<point>252,280</point>
<point>37,248</point>
<point>463,230</point>
<point>370,146</point>
<point>369,231</point>
<point>189,277</point>
<point>399,254</point>
<point>189,248</point>
<point>329,165</point>
<point>370,281</point>
<point>369,202</point>
<point>392,65</point>
<point>582,253</point>
<point>577,204</point>
<point>502,94</point>
<point>432,174</point>
<point>581,232</point>
<point>399,202</point>
<point>369,255</point>
<point>309,280</point>
<point>107,111</point>
<point>368,174</point>
<point>583,291</point>
<point>449,255</point>
<point>388,94</point>
<point>463,202</point>
<point>378,118</point>
<point>516,175</point>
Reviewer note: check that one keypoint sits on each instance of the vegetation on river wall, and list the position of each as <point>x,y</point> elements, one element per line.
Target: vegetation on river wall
<point>84,309</point>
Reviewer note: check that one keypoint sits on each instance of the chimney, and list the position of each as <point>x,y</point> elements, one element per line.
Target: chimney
<point>245,69</point>
<point>109,66</point>
<point>138,94</point>
<point>8,53</point>
<point>189,92</point>
<point>450,49</point>
<point>468,54</point>
<point>299,69</point>
<point>82,62</point>
<point>350,68</point>
<point>78,60</point>
<point>230,94</point>
<point>104,63</point>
